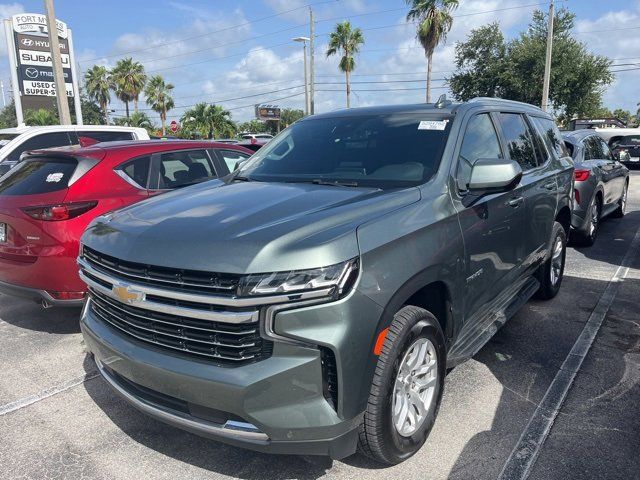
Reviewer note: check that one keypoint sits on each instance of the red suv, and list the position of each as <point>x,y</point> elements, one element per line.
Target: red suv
<point>48,199</point>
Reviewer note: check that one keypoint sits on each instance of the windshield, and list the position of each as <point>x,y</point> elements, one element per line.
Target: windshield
<point>626,141</point>
<point>380,151</point>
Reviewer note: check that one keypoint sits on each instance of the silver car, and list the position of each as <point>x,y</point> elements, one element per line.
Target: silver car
<point>601,184</point>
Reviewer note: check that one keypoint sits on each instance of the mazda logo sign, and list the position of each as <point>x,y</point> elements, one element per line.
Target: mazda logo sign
<point>31,72</point>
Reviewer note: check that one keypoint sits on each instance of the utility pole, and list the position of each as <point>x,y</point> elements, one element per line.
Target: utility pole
<point>304,41</point>
<point>58,75</point>
<point>312,52</point>
<point>547,61</point>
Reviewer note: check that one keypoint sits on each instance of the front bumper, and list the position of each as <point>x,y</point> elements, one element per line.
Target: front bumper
<point>275,405</point>
<point>37,295</point>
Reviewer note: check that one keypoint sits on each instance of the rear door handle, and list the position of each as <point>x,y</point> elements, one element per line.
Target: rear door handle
<point>515,202</point>
<point>550,185</point>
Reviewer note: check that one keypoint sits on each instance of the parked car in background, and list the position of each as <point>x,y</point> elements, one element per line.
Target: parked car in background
<point>256,136</point>
<point>16,141</point>
<point>50,197</point>
<point>314,300</point>
<point>624,144</point>
<point>601,184</point>
<point>254,144</point>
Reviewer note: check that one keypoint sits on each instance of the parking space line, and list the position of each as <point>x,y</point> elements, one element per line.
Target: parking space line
<point>31,399</point>
<point>524,455</point>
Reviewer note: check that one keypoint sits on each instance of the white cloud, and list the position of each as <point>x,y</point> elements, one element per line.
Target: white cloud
<point>616,36</point>
<point>7,10</point>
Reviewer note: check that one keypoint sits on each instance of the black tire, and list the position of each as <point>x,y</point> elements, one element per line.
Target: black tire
<point>548,287</point>
<point>379,438</point>
<point>588,238</point>
<point>622,203</point>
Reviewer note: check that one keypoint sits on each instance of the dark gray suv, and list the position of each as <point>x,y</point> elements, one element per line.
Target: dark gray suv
<point>313,300</point>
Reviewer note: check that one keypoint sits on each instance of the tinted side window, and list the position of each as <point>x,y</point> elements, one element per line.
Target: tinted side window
<point>187,167</point>
<point>107,136</point>
<point>138,170</point>
<point>606,152</point>
<point>519,141</point>
<point>551,135</point>
<point>480,141</point>
<point>38,175</point>
<point>45,140</point>
<point>232,157</point>
<point>593,149</point>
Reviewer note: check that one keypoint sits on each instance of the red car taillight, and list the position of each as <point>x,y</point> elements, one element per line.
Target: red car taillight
<point>61,211</point>
<point>581,175</point>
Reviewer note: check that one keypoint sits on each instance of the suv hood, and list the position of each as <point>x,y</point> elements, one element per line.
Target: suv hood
<point>250,227</point>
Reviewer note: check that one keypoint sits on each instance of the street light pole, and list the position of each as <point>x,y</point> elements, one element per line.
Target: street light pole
<point>58,75</point>
<point>304,41</point>
<point>547,61</point>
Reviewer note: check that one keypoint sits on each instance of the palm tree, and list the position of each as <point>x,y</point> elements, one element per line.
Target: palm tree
<point>98,84</point>
<point>209,121</point>
<point>40,117</point>
<point>434,23</point>
<point>128,79</point>
<point>347,42</point>
<point>196,119</point>
<point>140,120</point>
<point>221,122</point>
<point>159,98</point>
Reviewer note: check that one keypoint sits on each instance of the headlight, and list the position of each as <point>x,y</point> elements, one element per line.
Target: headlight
<point>339,276</point>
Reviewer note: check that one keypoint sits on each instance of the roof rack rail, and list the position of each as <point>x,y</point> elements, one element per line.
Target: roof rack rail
<point>502,100</point>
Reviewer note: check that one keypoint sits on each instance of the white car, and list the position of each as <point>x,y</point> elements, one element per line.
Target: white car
<point>15,141</point>
<point>257,136</point>
<point>624,143</point>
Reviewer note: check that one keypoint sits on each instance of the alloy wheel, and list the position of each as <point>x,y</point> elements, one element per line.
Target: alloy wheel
<point>414,388</point>
<point>556,261</point>
<point>623,199</point>
<point>595,218</point>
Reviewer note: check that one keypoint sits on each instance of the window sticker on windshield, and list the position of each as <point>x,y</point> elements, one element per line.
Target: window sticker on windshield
<point>433,124</point>
<point>54,177</point>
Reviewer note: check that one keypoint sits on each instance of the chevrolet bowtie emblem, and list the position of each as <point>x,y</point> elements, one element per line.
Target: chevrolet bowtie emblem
<point>126,294</point>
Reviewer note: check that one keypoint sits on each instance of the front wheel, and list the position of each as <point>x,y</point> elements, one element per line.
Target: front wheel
<point>407,388</point>
<point>551,272</point>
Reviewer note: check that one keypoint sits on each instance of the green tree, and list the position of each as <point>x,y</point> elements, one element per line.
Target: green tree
<point>345,41</point>
<point>208,121</point>
<point>515,69</point>
<point>41,117</point>
<point>480,64</point>
<point>128,79</point>
<point>137,119</point>
<point>159,98</point>
<point>8,116</point>
<point>625,115</point>
<point>253,126</point>
<point>98,86</point>
<point>434,21</point>
<point>289,116</point>
<point>92,113</point>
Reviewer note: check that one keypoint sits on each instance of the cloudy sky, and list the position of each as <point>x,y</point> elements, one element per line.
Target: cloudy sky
<point>239,53</point>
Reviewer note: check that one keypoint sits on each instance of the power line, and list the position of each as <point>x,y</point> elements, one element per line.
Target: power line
<point>153,47</point>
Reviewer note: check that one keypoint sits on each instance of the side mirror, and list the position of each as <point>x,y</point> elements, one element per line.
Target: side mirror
<point>239,164</point>
<point>492,175</point>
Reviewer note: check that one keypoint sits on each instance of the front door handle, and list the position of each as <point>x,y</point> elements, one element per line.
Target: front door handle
<point>515,202</point>
<point>550,185</point>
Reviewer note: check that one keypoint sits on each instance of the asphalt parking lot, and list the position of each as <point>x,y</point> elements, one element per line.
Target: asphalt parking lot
<point>58,419</point>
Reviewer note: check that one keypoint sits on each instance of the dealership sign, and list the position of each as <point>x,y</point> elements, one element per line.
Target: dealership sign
<point>267,112</point>
<point>30,56</point>
<point>36,23</point>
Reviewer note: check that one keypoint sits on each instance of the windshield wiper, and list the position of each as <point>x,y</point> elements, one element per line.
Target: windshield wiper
<point>338,183</point>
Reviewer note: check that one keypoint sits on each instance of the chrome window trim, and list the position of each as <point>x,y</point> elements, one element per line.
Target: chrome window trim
<point>128,179</point>
<point>231,429</point>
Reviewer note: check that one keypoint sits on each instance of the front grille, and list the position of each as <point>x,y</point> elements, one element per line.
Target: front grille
<point>223,343</point>
<point>177,279</point>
